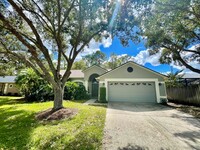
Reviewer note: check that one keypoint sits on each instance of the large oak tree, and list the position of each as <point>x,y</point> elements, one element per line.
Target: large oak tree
<point>42,33</point>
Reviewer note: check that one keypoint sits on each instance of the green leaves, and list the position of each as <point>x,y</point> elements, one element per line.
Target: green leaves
<point>96,58</point>
<point>171,29</point>
<point>33,87</point>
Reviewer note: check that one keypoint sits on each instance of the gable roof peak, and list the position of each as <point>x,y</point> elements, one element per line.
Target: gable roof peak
<point>134,63</point>
<point>93,67</point>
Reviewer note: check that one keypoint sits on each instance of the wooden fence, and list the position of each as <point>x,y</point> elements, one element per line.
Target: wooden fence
<point>184,95</point>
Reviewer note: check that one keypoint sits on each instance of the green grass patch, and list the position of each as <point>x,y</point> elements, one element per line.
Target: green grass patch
<point>20,130</point>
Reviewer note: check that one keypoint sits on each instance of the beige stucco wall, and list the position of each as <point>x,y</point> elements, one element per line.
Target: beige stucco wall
<point>138,72</point>
<point>12,90</point>
<point>92,70</point>
<point>89,72</point>
<point>162,89</point>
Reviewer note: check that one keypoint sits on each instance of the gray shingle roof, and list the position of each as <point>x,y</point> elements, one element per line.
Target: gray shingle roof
<point>191,75</point>
<point>74,73</point>
<point>7,79</point>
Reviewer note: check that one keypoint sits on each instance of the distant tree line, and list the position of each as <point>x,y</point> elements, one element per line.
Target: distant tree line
<point>99,58</point>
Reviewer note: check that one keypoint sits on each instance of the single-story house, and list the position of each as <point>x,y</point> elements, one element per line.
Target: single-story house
<point>8,86</point>
<point>129,82</point>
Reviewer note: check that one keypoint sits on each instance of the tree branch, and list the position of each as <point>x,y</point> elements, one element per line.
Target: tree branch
<point>21,58</point>
<point>187,65</point>
<point>88,40</point>
<point>31,48</point>
<point>67,13</point>
<point>40,43</point>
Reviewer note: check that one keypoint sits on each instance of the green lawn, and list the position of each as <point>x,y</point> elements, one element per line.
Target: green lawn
<point>20,130</point>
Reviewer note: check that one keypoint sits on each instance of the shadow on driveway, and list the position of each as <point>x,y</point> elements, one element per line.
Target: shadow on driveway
<point>149,126</point>
<point>137,107</point>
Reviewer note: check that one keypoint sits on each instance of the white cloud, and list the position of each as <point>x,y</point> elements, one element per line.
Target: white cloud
<point>194,47</point>
<point>186,74</point>
<point>190,74</point>
<point>93,46</point>
<point>107,41</point>
<point>144,57</point>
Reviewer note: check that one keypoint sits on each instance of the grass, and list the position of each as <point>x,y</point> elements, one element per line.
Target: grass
<point>20,130</point>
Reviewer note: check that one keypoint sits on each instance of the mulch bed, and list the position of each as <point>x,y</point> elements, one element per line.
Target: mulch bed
<point>193,110</point>
<point>51,114</point>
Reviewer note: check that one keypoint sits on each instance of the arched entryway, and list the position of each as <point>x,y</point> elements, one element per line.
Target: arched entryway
<point>93,85</point>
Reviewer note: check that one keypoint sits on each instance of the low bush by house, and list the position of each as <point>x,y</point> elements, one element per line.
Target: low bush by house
<point>102,95</point>
<point>34,88</point>
<point>75,91</point>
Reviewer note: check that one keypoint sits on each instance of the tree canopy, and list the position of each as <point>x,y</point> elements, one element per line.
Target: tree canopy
<point>172,28</point>
<point>96,58</point>
<point>115,61</point>
<point>79,65</point>
<point>41,34</point>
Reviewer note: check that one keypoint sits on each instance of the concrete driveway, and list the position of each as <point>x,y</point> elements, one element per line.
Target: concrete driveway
<point>149,126</point>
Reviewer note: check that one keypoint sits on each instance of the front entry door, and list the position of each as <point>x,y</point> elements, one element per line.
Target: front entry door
<point>95,88</point>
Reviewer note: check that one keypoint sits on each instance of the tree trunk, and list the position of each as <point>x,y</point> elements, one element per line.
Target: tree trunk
<point>58,97</point>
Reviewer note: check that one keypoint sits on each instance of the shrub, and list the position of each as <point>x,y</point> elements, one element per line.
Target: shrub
<point>80,93</point>
<point>33,87</point>
<point>102,97</point>
<point>75,91</point>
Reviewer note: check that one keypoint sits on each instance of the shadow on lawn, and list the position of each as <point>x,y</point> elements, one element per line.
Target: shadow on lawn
<point>11,101</point>
<point>76,101</point>
<point>15,128</point>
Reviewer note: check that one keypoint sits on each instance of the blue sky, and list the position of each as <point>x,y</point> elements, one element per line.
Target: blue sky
<point>133,50</point>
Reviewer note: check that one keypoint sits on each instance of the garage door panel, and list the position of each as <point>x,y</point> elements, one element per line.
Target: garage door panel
<point>132,91</point>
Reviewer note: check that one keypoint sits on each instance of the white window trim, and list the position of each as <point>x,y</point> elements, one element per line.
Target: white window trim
<point>162,82</point>
<point>135,80</point>
<point>86,85</point>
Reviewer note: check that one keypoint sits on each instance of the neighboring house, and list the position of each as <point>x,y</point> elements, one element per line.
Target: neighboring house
<point>8,86</point>
<point>129,82</point>
<point>190,79</point>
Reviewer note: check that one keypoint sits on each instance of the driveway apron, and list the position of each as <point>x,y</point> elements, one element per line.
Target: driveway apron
<point>139,126</point>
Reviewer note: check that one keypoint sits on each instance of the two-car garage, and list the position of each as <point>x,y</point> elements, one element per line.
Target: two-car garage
<point>131,82</point>
<point>132,91</point>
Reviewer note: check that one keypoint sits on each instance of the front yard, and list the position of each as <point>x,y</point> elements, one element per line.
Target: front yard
<point>20,130</point>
